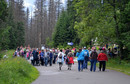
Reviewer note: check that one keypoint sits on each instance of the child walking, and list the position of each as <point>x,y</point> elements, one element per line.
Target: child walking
<point>70,60</point>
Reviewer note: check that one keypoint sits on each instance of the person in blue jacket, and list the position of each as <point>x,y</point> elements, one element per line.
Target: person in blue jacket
<point>35,56</point>
<point>42,57</point>
<point>80,59</point>
<point>86,58</point>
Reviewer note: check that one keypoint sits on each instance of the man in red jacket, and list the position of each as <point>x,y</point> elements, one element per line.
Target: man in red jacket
<point>102,58</point>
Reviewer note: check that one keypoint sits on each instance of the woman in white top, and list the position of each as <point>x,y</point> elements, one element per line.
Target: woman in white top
<point>60,59</point>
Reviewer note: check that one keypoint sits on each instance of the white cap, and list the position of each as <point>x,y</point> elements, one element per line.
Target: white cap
<point>84,47</point>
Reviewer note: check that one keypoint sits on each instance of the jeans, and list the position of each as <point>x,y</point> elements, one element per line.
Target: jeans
<point>93,65</point>
<point>85,64</point>
<point>80,62</point>
<point>46,61</point>
<point>86,59</point>
<point>54,61</point>
<point>50,61</point>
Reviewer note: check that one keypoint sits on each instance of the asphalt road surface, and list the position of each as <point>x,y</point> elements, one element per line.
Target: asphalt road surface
<point>51,75</point>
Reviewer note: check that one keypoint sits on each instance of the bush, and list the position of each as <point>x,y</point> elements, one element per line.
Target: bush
<point>17,71</point>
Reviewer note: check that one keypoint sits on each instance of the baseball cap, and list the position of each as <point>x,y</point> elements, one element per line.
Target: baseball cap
<point>84,47</point>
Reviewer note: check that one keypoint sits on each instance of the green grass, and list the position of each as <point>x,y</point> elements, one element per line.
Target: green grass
<point>114,64</point>
<point>9,53</point>
<point>16,70</point>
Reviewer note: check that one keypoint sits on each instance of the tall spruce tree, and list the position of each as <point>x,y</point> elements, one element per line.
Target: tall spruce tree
<point>4,28</point>
<point>64,30</point>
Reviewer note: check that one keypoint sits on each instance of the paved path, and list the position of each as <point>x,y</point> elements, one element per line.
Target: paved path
<point>51,75</point>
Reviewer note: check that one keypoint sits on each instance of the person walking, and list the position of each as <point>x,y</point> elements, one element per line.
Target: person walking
<point>35,56</point>
<point>60,59</point>
<point>50,57</point>
<point>42,57</point>
<point>27,55</point>
<point>80,59</point>
<point>93,60</point>
<point>86,58</point>
<point>67,51</point>
<point>102,58</point>
<point>25,52</point>
<point>55,56</point>
<point>70,60</point>
<point>32,60</point>
<point>46,57</point>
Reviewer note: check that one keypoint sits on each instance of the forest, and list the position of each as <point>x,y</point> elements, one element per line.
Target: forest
<point>19,26</point>
<point>95,22</point>
<point>83,22</point>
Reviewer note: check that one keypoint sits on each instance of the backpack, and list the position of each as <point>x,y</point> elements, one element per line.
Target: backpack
<point>85,53</point>
<point>55,54</point>
<point>60,56</point>
<point>67,60</point>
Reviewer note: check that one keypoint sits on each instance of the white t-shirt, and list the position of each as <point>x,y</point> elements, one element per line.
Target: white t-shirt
<point>31,58</point>
<point>60,60</point>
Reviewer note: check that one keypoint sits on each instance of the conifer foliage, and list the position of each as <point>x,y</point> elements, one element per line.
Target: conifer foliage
<point>11,24</point>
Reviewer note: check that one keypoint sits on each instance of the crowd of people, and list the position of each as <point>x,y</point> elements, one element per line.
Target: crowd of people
<point>45,57</point>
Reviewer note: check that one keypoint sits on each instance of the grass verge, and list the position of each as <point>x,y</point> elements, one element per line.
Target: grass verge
<point>9,53</point>
<point>114,64</point>
<point>17,71</point>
